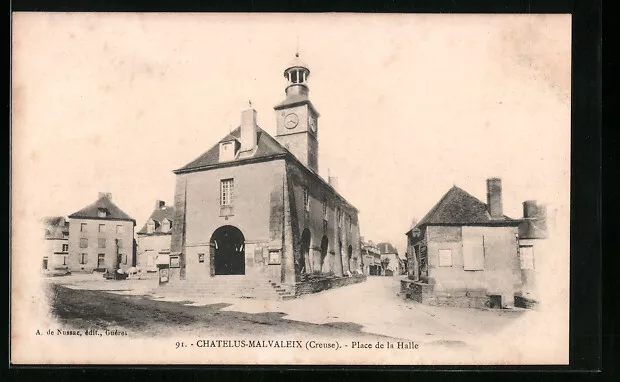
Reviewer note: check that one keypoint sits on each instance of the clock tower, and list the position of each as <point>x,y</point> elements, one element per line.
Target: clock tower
<point>297,118</point>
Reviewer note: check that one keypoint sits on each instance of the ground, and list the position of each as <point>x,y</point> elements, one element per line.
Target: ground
<point>367,311</point>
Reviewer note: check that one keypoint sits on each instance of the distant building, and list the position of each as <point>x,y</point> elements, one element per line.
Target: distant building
<point>154,237</point>
<point>101,237</point>
<point>392,264</point>
<point>533,232</point>
<point>371,258</point>
<point>56,257</point>
<point>465,252</point>
<point>254,209</point>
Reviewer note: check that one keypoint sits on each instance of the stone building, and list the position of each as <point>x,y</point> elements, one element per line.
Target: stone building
<point>56,256</point>
<point>371,258</point>
<point>392,264</point>
<point>533,232</point>
<point>252,211</point>
<point>101,237</point>
<point>154,237</point>
<point>465,252</point>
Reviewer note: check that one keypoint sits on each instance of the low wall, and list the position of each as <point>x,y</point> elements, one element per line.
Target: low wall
<point>424,293</point>
<point>321,284</point>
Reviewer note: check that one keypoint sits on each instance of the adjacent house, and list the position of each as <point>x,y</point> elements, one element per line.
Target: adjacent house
<point>465,252</point>
<point>101,237</point>
<point>253,210</point>
<point>154,237</point>
<point>56,257</point>
<point>371,258</point>
<point>392,264</point>
<point>533,233</point>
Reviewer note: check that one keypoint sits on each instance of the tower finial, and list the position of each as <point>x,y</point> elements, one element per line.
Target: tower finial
<point>250,103</point>
<point>297,48</point>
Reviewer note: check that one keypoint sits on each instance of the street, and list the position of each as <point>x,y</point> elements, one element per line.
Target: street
<point>366,311</point>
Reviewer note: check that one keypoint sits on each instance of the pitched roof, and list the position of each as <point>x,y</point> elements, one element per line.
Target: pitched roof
<point>56,227</point>
<point>386,248</point>
<point>457,207</point>
<point>158,215</point>
<point>92,211</point>
<point>267,146</point>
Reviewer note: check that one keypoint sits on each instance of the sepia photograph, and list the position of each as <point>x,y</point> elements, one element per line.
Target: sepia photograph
<point>290,189</point>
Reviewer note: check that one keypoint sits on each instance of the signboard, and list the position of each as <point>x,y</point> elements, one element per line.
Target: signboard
<point>274,257</point>
<point>163,275</point>
<point>174,262</point>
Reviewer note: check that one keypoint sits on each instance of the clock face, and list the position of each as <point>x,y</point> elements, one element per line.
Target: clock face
<point>312,124</point>
<point>291,121</point>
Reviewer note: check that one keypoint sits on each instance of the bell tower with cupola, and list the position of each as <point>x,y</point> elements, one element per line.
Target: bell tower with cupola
<point>297,118</point>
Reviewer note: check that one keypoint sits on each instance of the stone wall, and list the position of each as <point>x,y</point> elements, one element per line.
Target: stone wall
<point>425,294</point>
<point>321,284</point>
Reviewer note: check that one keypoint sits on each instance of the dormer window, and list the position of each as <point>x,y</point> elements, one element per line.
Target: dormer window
<point>227,151</point>
<point>150,227</point>
<point>165,225</point>
<point>102,212</point>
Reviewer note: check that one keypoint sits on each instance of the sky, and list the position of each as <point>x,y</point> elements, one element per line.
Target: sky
<point>410,105</point>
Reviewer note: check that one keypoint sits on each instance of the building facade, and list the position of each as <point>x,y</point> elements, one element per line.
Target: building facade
<point>392,264</point>
<point>101,237</point>
<point>56,257</point>
<point>154,238</point>
<point>255,206</point>
<point>533,234</point>
<point>371,259</point>
<point>465,252</point>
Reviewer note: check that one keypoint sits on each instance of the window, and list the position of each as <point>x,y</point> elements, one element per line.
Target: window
<point>201,257</point>
<point>83,242</point>
<point>274,257</point>
<point>101,242</point>
<point>83,227</point>
<point>527,257</point>
<point>124,259</point>
<point>83,258</point>
<point>325,210</point>
<point>306,199</point>
<point>174,262</point>
<point>226,191</point>
<point>102,212</point>
<point>165,225</point>
<point>473,253</point>
<point>119,243</point>
<point>101,227</point>
<point>65,247</point>
<point>150,227</point>
<point>64,260</point>
<point>445,257</point>
<point>101,260</point>
<point>119,229</point>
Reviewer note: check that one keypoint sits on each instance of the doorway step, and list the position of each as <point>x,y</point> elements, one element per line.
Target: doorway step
<point>235,286</point>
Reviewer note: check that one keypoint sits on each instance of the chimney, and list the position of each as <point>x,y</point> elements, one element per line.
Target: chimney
<point>159,204</point>
<point>249,135</point>
<point>105,194</point>
<point>530,209</point>
<point>333,181</point>
<point>494,197</point>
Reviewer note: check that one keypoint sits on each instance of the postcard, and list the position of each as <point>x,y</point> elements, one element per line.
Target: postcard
<point>290,189</point>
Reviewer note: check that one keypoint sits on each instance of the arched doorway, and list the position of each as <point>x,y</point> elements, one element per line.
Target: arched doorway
<point>227,251</point>
<point>324,247</point>
<point>305,251</point>
<point>349,255</point>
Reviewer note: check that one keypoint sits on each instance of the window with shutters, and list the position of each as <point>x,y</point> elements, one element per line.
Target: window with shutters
<point>83,258</point>
<point>473,253</point>
<point>306,199</point>
<point>101,242</point>
<point>101,227</point>
<point>83,227</point>
<point>83,242</point>
<point>527,257</point>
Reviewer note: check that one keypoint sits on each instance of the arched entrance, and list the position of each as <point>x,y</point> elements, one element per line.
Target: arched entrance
<point>305,251</point>
<point>324,247</point>
<point>349,255</point>
<point>227,251</point>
